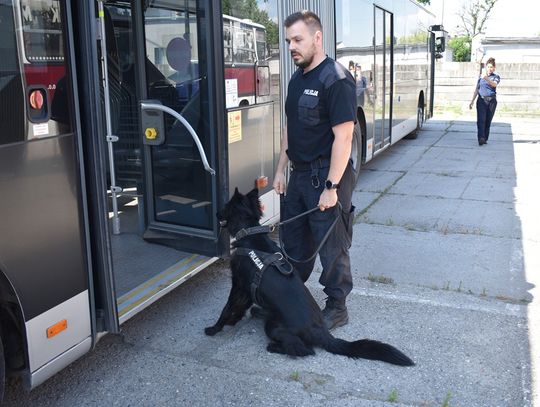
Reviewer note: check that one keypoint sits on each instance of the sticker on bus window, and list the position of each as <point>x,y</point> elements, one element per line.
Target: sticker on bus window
<point>235,126</point>
<point>231,93</point>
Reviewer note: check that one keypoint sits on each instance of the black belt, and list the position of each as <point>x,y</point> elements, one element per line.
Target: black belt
<point>313,165</point>
<point>488,98</point>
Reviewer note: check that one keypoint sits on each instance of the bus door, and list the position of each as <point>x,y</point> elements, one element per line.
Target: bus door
<point>383,73</point>
<point>182,123</point>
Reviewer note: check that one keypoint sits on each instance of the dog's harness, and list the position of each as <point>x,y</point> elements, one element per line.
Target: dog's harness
<point>262,260</point>
<point>280,260</point>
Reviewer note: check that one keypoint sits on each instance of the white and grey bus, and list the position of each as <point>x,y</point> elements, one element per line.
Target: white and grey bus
<point>121,135</point>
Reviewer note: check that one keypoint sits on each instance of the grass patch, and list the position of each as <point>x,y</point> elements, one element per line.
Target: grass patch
<point>379,279</point>
<point>392,397</point>
<point>294,376</point>
<point>446,401</point>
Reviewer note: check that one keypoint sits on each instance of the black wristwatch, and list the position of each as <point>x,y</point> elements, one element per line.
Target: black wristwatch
<point>330,185</point>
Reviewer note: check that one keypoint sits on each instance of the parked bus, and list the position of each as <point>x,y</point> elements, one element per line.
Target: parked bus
<point>391,47</point>
<point>244,51</point>
<point>120,139</point>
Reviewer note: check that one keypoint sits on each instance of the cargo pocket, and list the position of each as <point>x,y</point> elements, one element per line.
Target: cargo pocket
<point>308,110</point>
<point>347,221</point>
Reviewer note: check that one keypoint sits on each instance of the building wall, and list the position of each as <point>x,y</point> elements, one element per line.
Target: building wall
<point>517,94</point>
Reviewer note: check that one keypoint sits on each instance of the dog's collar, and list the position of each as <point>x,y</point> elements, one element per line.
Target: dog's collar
<point>255,230</point>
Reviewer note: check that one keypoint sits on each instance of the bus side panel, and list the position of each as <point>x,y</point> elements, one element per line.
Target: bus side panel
<point>45,345</point>
<point>41,244</point>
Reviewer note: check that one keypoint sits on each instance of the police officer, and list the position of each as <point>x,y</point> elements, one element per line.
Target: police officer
<point>321,112</point>
<point>486,89</point>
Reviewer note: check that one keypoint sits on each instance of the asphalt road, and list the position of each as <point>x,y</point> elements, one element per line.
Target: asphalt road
<point>446,261</point>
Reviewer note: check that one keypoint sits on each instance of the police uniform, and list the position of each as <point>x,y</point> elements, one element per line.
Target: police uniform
<point>486,105</point>
<point>316,101</point>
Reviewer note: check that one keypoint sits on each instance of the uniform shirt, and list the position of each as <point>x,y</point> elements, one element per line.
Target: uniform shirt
<point>316,101</point>
<point>484,89</point>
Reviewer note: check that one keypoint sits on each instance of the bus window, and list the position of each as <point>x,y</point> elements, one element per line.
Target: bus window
<point>44,68</point>
<point>11,90</point>
<point>246,46</point>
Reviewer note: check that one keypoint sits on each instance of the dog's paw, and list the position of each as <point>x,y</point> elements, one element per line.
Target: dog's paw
<point>211,330</point>
<point>274,347</point>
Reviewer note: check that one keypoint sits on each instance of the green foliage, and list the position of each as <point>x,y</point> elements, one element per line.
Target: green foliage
<point>249,9</point>
<point>461,47</point>
<point>419,37</point>
<point>392,397</point>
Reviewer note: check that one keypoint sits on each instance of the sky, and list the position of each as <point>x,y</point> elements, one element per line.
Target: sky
<point>509,18</point>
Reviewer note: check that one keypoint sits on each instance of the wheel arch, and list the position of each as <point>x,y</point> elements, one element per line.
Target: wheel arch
<point>12,327</point>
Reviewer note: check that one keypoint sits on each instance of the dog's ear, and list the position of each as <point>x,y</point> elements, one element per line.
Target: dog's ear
<point>253,197</point>
<point>236,194</point>
<point>254,193</point>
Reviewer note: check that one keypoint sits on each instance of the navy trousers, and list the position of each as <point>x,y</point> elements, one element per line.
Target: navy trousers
<point>484,114</point>
<point>302,237</point>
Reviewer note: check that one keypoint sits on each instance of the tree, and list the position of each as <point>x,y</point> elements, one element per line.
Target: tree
<point>461,47</point>
<point>424,2</point>
<point>474,16</point>
<point>250,10</point>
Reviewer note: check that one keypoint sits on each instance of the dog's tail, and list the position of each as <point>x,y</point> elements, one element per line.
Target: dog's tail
<point>367,349</point>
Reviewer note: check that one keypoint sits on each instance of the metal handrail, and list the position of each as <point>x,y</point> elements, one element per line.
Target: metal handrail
<point>179,117</point>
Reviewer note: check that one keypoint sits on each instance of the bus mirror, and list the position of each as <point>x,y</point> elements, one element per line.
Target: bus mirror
<point>439,44</point>
<point>263,80</point>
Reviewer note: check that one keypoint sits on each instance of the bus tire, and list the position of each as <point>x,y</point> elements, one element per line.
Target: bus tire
<point>419,123</point>
<point>357,146</point>
<point>2,370</point>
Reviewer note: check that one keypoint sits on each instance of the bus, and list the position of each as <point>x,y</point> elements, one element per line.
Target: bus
<point>245,54</point>
<point>391,48</point>
<point>123,132</point>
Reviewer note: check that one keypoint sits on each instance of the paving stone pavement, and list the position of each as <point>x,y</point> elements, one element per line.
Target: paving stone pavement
<point>446,262</point>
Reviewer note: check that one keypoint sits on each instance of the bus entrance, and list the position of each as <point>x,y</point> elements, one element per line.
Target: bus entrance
<point>162,128</point>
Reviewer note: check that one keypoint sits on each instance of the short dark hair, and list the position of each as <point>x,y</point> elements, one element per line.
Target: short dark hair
<point>491,61</point>
<point>309,18</point>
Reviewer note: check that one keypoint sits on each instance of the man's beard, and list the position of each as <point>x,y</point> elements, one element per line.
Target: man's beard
<point>304,63</point>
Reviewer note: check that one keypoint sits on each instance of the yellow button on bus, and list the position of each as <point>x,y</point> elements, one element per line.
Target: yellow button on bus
<point>150,133</point>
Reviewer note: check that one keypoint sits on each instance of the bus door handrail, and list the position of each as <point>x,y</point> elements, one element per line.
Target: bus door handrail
<point>181,119</point>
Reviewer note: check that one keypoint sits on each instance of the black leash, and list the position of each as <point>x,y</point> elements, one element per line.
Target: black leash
<point>323,241</point>
<point>269,229</point>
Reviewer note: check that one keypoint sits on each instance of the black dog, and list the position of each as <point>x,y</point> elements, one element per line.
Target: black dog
<point>293,321</point>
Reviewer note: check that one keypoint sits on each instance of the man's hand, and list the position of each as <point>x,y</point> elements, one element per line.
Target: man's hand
<point>279,183</point>
<point>328,199</point>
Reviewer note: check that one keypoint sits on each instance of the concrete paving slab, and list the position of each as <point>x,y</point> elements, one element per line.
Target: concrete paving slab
<point>362,200</point>
<point>397,161</point>
<point>481,265</point>
<point>445,215</point>
<point>445,262</point>
<point>376,181</point>
<point>434,185</point>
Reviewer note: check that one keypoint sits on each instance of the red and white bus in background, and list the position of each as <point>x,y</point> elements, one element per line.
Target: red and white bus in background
<point>245,50</point>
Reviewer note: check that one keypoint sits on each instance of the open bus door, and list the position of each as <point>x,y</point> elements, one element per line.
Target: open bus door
<point>180,124</point>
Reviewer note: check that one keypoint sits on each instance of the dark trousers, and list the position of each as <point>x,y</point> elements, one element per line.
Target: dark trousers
<point>484,114</point>
<point>302,237</point>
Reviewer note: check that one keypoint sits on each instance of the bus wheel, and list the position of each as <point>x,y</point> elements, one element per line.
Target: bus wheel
<point>357,145</point>
<point>419,124</point>
<point>2,371</point>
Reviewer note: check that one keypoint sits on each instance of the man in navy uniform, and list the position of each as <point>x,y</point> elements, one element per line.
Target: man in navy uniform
<point>321,112</point>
